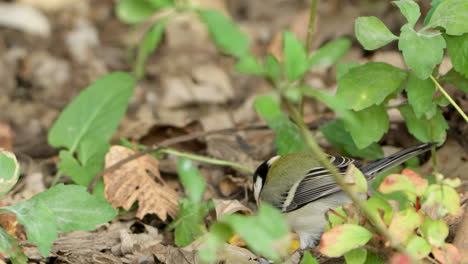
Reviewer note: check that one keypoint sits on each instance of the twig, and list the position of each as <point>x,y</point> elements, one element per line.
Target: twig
<point>455,105</point>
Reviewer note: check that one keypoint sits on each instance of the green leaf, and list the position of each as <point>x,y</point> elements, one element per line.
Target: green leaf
<point>95,113</point>
<point>288,138</point>
<point>134,11</point>
<point>39,222</point>
<point>9,171</point>
<point>421,127</point>
<point>272,68</point>
<point>451,15</point>
<point>343,238</point>
<point>11,249</point>
<point>435,231</point>
<point>356,256</point>
<point>369,84</point>
<point>308,259</point>
<point>410,10</point>
<point>408,182</point>
<point>249,64</point>
<point>421,50</point>
<point>335,220</point>
<point>371,126</point>
<point>420,94</point>
<point>440,200</point>
<point>456,79</point>
<point>335,132</point>
<point>404,223</point>
<point>262,235</point>
<point>148,45</point>
<point>215,239</point>
<point>418,247</point>
<point>381,208</point>
<point>372,33</point>
<point>189,222</point>
<point>330,53</point>
<point>373,258</point>
<point>190,177</point>
<point>343,67</point>
<point>226,34</point>
<point>434,4</point>
<point>295,56</point>
<point>457,47</point>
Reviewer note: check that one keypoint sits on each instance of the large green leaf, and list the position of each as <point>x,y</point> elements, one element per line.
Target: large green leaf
<point>226,34</point>
<point>295,56</point>
<point>371,125</point>
<point>421,50</point>
<point>421,127</point>
<point>369,84</point>
<point>420,94</point>
<point>330,53</point>
<point>94,113</point>
<point>457,47</point>
<point>456,79</point>
<point>410,10</point>
<point>451,15</point>
<point>343,238</point>
<point>288,139</point>
<point>9,171</point>
<point>39,222</point>
<point>372,33</point>
<point>11,249</point>
<point>335,132</point>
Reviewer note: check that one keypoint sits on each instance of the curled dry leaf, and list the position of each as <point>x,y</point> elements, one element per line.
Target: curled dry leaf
<point>131,183</point>
<point>226,207</point>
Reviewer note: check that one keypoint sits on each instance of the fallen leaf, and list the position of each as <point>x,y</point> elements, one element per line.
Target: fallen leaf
<point>131,183</point>
<point>447,255</point>
<point>226,207</point>
<point>6,136</point>
<point>461,237</point>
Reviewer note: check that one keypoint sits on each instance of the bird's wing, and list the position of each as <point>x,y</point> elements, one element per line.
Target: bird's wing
<point>317,183</point>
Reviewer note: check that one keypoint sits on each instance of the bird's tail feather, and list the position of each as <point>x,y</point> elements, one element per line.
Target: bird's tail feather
<point>394,160</point>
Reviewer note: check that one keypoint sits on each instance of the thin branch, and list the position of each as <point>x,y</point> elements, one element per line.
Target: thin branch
<point>455,105</point>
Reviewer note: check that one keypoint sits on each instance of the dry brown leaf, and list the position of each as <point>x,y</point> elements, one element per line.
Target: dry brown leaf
<point>131,183</point>
<point>461,238</point>
<point>6,136</point>
<point>225,207</point>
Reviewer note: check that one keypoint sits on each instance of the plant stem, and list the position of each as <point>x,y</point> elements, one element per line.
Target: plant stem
<point>309,38</point>
<point>57,177</point>
<point>460,111</point>
<point>206,159</point>
<point>322,158</point>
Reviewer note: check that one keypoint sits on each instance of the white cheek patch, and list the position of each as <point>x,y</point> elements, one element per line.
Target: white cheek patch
<point>273,159</point>
<point>258,187</point>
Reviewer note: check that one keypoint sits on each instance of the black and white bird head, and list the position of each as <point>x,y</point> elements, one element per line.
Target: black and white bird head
<point>260,175</point>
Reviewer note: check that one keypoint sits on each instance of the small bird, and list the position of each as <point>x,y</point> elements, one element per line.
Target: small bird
<point>304,191</point>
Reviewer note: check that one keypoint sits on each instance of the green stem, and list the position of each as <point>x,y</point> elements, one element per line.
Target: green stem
<point>206,159</point>
<point>441,89</point>
<point>57,177</point>
<point>322,158</point>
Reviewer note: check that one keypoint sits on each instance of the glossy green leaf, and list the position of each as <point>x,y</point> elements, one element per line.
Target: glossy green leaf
<point>262,235</point>
<point>343,238</point>
<point>381,208</point>
<point>95,113</point>
<point>421,50</point>
<point>356,256</point>
<point>418,247</point>
<point>295,56</point>
<point>308,259</point>
<point>451,15</point>
<point>369,84</point>
<point>335,132</point>
<point>420,94</point>
<point>249,64</point>
<point>456,79</point>
<point>148,45</point>
<point>134,11</point>
<point>372,33</point>
<point>330,53</point>
<point>288,138</point>
<point>404,223</point>
<point>11,249</point>
<point>410,10</point>
<point>440,200</point>
<point>421,127</point>
<point>457,47</point>
<point>39,222</point>
<point>372,123</point>
<point>192,180</point>
<point>9,171</point>
<point>225,33</point>
<point>343,67</point>
<point>435,231</point>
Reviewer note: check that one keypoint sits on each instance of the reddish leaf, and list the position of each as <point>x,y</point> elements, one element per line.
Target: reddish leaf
<point>400,259</point>
<point>447,255</point>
